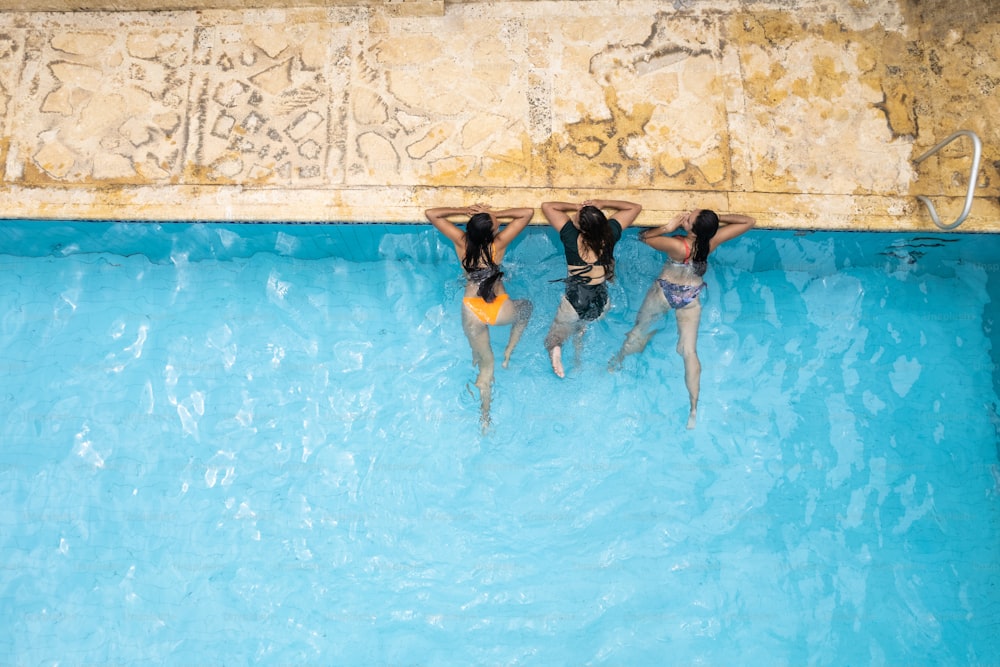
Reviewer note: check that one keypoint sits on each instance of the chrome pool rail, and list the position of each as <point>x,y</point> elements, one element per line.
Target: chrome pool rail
<point>977,150</point>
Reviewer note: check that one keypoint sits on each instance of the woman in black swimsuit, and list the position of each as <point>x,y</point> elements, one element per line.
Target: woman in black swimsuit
<point>588,238</point>
<point>480,249</point>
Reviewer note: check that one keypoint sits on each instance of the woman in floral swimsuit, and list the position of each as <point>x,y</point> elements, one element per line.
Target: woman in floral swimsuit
<point>679,286</point>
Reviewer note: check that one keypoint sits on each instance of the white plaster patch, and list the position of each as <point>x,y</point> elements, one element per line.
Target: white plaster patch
<point>904,373</point>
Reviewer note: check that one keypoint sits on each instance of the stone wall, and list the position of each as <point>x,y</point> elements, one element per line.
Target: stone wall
<point>804,114</point>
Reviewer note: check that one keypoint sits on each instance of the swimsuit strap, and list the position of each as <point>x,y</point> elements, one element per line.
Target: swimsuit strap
<point>579,271</point>
<point>486,278</point>
<point>481,274</point>
<point>576,276</point>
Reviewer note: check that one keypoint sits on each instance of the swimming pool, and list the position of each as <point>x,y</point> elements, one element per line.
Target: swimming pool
<point>225,444</point>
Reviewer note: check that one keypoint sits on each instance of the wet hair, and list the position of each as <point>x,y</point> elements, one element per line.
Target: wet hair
<point>478,261</point>
<point>598,238</point>
<point>704,228</point>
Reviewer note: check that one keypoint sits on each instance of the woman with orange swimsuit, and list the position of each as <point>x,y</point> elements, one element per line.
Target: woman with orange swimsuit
<point>679,286</point>
<point>480,249</point>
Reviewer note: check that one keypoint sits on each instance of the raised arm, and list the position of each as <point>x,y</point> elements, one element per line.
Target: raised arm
<point>440,218</point>
<point>732,225</point>
<point>656,237</point>
<point>557,212</point>
<point>675,223</point>
<point>518,220</point>
<point>625,212</point>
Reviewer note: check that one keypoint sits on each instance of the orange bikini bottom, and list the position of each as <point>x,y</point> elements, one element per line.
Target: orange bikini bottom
<point>486,312</point>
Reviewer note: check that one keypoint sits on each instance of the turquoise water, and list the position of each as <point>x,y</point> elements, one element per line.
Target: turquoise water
<point>241,444</point>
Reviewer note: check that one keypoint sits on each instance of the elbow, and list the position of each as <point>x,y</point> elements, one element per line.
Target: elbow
<point>550,209</point>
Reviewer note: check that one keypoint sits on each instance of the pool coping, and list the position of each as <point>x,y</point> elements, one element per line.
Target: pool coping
<point>406,204</point>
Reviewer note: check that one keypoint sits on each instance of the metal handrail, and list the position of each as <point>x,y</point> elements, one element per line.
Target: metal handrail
<point>977,150</point>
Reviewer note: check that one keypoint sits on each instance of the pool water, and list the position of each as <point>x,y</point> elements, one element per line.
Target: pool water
<point>225,444</point>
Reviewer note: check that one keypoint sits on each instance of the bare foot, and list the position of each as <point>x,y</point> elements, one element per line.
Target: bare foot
<point>555,355</point>
<point>506,360</point>
<point>616,363</point>
<point>691,418</point>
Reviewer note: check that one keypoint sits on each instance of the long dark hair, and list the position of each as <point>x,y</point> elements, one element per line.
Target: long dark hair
<point>704,228</point>
<point>597,237</point>
<point>478,261</point>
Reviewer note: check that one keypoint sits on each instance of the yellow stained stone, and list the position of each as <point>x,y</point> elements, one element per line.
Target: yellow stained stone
<point>808,114</point>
